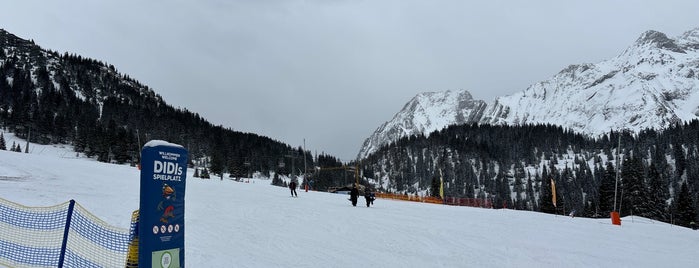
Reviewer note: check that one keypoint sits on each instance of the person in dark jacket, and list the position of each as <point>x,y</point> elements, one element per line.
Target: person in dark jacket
<point>354,194</point>
<point>292,187</point>
<point>369,196</point>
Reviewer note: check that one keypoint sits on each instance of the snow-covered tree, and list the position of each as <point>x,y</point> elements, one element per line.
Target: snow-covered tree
<point>3,146</point>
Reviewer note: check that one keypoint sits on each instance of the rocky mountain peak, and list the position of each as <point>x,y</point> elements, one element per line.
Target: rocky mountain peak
<point>8,40</point>
<point>425,113</point>
<point>659,40</point>
<point>690,39</point>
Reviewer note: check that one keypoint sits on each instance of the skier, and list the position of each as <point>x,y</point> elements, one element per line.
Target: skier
<point>292,187</point>
<point>354,194</point>
<point>369,196</point>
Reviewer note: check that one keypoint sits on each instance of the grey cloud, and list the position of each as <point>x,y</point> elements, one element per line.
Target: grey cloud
<point>333,71</point>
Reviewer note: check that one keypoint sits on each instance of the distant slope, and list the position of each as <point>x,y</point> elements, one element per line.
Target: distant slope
<point>652,84</point>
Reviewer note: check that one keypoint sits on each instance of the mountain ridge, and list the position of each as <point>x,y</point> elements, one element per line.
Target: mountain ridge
<point>452,106</point>
<point>70,99</point>
<point>653,83</point>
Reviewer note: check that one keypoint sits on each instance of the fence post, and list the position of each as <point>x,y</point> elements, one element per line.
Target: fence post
<point>65,234</point>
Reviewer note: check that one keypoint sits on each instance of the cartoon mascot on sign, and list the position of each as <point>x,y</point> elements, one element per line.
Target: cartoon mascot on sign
<point>166,204</point>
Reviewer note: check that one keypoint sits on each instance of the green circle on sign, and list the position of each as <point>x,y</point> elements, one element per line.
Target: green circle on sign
<point>166,259</point>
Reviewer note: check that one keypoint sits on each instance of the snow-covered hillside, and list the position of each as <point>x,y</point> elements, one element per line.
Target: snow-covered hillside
<point>234,224</point>
<point>651,84</point>
<point>59,72</point>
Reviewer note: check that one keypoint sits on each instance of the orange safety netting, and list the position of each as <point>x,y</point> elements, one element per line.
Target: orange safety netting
<point>453,201</point>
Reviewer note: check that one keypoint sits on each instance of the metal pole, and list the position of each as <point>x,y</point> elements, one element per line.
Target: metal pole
<point>66,230</point>
<point>621,201</point>
<point>441,187</point>
<point>138,137</point>
<point>305,170</point>
<point>293,153</point>
<point>618,162</point>
<point>29,135</point>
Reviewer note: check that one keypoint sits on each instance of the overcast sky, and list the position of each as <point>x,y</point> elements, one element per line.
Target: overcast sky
<point>332,71</point>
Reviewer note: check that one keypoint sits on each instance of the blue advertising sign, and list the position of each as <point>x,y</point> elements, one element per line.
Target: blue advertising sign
<point>161,228</point>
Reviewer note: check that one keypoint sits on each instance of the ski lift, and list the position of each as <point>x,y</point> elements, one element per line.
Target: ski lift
<point>281,163</point>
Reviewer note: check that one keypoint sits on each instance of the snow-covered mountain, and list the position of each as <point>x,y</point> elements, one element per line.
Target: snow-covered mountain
<point>651,84</point>
<point>426,113</point>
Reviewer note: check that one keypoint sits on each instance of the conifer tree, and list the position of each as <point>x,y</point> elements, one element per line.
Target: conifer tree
<point>656,195</point>
<point>606,191</point>
<point>680,160</point>
<point>3,146</point>
<point>531,203</point>
<point>504,196</point>
<point>217,161</point>
<point>635,199</point>
<point>434,187</point>
<point>684,207</point>
<point>518,187</point>
<point>276,180</point>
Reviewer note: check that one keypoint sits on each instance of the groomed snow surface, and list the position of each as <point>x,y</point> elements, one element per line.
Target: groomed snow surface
<point>235,224</point>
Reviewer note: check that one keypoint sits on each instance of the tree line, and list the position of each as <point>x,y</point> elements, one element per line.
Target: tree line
<point>513,166</point>
<point>50,98</point>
